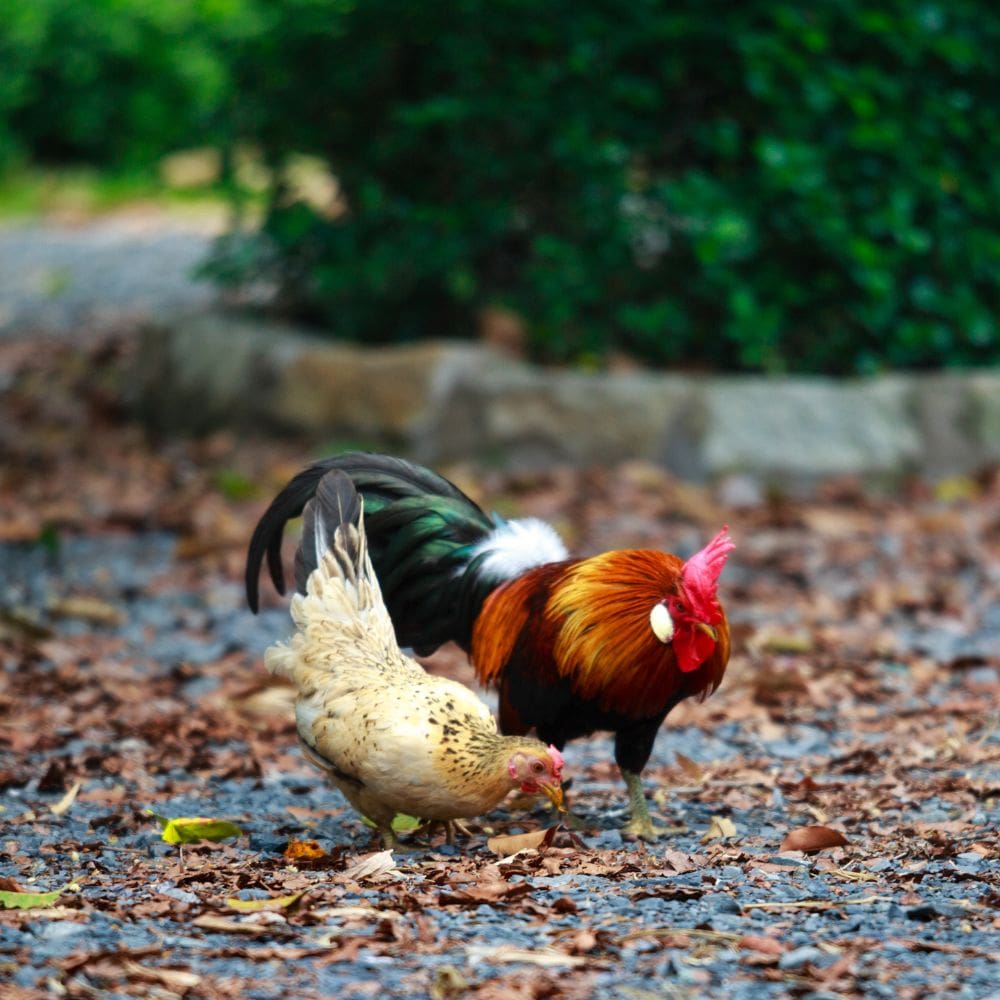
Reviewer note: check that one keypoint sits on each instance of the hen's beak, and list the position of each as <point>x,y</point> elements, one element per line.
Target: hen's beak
<point>709,630</point>
<point>554,794</point>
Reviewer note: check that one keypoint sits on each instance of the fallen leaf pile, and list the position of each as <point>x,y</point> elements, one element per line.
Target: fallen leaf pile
<point>835,803</point>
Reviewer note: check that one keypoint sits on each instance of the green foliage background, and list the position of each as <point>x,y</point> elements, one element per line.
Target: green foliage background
<point>760,186</point>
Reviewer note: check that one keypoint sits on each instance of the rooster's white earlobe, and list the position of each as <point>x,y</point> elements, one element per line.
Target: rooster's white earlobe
<point>661,623</point>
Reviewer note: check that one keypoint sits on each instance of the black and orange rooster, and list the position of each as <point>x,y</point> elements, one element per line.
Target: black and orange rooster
<point>574,646</point>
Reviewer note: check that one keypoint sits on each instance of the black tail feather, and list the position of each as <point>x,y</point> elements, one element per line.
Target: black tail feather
<point>380,478</point>
<point>266,539</point>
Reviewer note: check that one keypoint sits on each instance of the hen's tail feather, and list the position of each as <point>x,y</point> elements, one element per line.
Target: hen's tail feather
<point>341,620</point>
<point>383,480</point>
<point>332,527</point>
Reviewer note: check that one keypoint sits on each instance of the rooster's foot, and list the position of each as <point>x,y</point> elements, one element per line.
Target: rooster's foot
<point>641,825</point>
<point>644,828</point>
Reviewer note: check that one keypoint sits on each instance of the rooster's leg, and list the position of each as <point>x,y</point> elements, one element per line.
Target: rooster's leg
<point>633,745</point>
<point>640,824</point>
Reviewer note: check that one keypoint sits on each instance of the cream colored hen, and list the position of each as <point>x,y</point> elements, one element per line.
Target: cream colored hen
<point>393,738</point>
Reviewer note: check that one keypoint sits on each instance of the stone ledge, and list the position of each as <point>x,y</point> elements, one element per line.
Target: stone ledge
<point>446,401</point>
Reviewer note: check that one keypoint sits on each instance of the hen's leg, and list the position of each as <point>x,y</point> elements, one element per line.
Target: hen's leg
<point>450,826</point>
<point>391,842</point>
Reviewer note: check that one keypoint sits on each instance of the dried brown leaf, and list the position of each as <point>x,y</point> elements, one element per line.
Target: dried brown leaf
<point>544,957</point>
<point>719,827</point>
<point>813,838</point>
<point>758,942</point>
<point>372,866</point>
<point>63,805</point>
<point>88,609</point>
<point>258,905</point>
<point>173,979</point>
<point>227,925</point>
<point>691,768</point>
<point>507,845</point>
<point>678,862</point>
<point>448,983</point>
<point>299,851</point>
<point>583,942</point>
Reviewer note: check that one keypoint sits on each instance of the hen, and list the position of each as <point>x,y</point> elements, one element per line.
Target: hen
<point>612,642</point>
<point>393,738</point>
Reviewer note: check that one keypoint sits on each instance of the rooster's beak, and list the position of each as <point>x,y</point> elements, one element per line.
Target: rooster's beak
<point>709,630</point>
<point>554,794</point>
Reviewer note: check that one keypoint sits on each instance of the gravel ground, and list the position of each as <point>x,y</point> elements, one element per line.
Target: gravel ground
<point>120,269</point>
<point>862,698</point>
<point>597,917</point>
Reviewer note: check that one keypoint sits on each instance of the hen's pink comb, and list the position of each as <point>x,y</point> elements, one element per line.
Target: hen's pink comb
<point>557,760</point>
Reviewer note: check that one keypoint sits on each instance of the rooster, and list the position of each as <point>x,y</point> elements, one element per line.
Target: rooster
<point>393,738</point>
<point>612,642</point>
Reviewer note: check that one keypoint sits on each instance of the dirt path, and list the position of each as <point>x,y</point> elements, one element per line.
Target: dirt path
<point>129,266</point>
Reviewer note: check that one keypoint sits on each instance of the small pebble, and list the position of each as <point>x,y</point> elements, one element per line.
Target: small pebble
<point>799,957</point>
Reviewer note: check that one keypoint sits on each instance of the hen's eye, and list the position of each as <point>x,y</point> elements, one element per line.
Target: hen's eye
<point>538,767</point>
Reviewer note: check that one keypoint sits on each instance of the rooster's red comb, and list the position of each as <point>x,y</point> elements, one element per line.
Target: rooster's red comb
<point>700,574</point>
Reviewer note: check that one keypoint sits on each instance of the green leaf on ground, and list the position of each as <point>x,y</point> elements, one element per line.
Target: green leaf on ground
<point>189,829</point>
<point>29,900</point>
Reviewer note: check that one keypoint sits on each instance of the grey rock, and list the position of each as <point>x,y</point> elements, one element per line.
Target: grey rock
<point>211,370</point>
<point>795,430</point>
<point>727,905</point>
<point>740,490</point>
<point>60,930</point>
<point>532,417</point>
<point>174,893</point>
<point>955,416</point>
<point>984,388</point>
<point>800,956</point>
<point>395,394</point>
<point>445,401</point>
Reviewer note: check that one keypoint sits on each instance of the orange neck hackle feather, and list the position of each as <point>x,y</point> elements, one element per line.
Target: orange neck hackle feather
<point>588,621</point>
<point>605,643</point>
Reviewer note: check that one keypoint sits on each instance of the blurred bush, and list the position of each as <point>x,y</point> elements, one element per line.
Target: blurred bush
<point>762,186</point>
<point>114,81</point>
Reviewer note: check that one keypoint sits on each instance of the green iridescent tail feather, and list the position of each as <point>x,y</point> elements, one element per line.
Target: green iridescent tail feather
<point>421,529</point>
